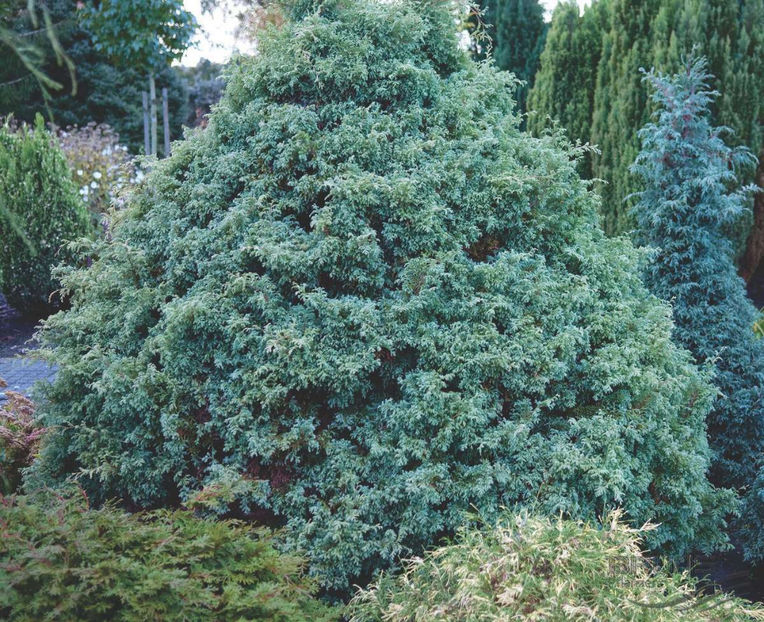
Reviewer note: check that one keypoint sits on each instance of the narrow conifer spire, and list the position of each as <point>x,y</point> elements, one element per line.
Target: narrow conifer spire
<point>688,212</point>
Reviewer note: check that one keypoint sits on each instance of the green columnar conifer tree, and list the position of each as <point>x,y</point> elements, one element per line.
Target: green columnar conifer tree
<point>364,301</point>
<point>569,63</point>
<point>595,59</point>
<point>517,31</point>
<point>687,212</point>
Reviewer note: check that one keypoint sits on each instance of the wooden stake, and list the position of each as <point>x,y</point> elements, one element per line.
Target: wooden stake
<point>153,105</point>
<point>166,123</point>
<point>146,143</point>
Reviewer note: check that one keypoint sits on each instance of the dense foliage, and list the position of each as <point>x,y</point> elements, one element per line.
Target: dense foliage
<point>61,560</point>
<point>145,34</point>
<point>19,438</point>
<point>42,213</point>
<point>365,301</point>
<point>104,94</point>
<point>23,45</point>
<point>516,31</point>
<point>687,211</point>
<point>589,80</point>
<point>533,568</point>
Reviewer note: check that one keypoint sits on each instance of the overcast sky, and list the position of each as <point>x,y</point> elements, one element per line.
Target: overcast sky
<point>217,39</point>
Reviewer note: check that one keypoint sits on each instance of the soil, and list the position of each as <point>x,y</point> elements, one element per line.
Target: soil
<point>732,574</point>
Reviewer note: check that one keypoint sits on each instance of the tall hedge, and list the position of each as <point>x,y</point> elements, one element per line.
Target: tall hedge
<point>40,213</point>
<point>366,302</point>
<point>589,80</point>
<point>688,208</point>
<point>516,31</point>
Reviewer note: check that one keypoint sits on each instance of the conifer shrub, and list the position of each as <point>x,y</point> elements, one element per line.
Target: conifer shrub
<point>362,301</point>
<point>61,560</point>
<point>534,568</point>
<point>40,212</point>
<point>687,212</point>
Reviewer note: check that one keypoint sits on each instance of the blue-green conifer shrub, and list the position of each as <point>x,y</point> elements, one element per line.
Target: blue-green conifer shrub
<point>687,212</point>
<point>366,302</point>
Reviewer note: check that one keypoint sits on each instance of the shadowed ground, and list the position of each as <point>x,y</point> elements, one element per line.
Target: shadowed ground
<point>19,370</point>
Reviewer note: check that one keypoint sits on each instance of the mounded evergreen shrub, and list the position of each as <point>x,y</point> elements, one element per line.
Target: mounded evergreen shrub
<point>687,212</point>
<point>40,212</point>
<point>61,560</point>
<point>366,302</point>
<point>534,568</point>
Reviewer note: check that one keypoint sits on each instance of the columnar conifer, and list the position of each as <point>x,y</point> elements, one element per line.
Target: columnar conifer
<point>687,212</point>
<point>589,80</point>
<point>517,30</point>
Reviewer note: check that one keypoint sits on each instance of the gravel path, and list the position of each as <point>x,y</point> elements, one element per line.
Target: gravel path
<point>21,373</point>
<point>17,368</point>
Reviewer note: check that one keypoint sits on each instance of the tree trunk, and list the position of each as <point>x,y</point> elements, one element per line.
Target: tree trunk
<point>166,122</point>
<point>754,250</point>
<point>153,104</point>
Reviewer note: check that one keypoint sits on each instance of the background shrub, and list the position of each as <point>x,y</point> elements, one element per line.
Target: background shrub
<point>19,438</point>
<point>752,518</point>
<point>364,293</point>
<point>61,560</point>
<point>40,198</point>
<point>100,165</point>
<point>532,568</point>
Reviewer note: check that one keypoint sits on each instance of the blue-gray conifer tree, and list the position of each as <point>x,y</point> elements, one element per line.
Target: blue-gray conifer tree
<point>687,212</point>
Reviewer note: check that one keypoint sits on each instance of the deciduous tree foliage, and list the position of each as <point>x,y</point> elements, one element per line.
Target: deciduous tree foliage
<point>687,212</point>
<point>367,302</point>
<point>105,94</point>
<point>589,80</point>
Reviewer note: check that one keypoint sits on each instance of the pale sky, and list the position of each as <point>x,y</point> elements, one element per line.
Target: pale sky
<point>217,40</point>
